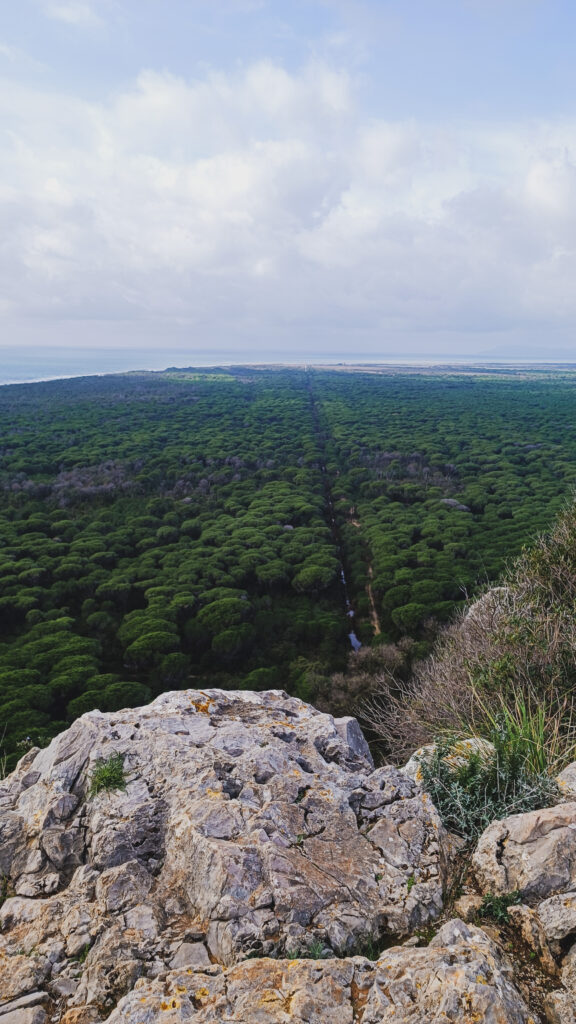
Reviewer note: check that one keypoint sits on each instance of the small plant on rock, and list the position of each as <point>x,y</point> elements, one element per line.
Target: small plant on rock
<point>496,907</point>
<point>5,889</point>
<point>315,951</point>
<point>108,774</point>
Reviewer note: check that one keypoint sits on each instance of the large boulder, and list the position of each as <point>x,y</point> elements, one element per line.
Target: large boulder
<point>250,824</point>
<point>534,853</point>
<point>461,976</point>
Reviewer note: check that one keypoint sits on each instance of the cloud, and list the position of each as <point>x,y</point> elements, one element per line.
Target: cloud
<point>18,59</point>
<point>80,13</point>
<point>263,203</point>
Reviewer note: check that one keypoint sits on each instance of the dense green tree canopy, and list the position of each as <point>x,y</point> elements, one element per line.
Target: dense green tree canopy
<point>162,530</point>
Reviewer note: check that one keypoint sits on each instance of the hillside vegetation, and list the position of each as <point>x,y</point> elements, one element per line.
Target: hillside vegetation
<point>159,530</point>
<point>510,659</point>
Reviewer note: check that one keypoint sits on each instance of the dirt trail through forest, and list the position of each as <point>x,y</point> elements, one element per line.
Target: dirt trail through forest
<point>374,618</point>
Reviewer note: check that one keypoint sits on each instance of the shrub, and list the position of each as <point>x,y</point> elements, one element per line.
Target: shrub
<point>472,792</point>
<point>509,658</point>
<point>496,907</point>
<point>108,774</point>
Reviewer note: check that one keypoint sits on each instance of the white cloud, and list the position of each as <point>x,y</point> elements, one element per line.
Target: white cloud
<point>19,59</point>
<point>262,201</point>
<point>80,13</point>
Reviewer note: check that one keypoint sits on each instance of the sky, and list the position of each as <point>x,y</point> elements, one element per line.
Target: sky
<point>277,180</point>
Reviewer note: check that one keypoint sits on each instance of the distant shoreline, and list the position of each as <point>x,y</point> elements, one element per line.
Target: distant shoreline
<point>409,365</point>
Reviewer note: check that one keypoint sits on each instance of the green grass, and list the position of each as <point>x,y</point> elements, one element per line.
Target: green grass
<point>315,951</point>
<point>107,775</point>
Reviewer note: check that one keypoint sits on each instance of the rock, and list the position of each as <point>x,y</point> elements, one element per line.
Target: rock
<point>559,1008</point>
<point>352,735</point>
<point>86,1015</point>
<point>567,781</point>
<point>461,976</point>
<point>250,823</point>
<point>191,954</point>
<point>534,853</point>
<point>32,1015</point>
<point>32,999</point>
<point>459,755</point>
<point>467,907</point>
<point>569,970</point>
<point>19,974</point>
<point>530,927</point>
<point>558,915</point>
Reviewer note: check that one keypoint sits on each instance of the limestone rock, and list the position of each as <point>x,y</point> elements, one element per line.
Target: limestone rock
<point>457,757</point>
<point>567,781</point>
<point>568,972</point>
<point>191,954</point>
<point>560,1008</point>
<point>31,1015</point>
<point>530,927</point>
<point>461,976</point>
<point>558,915</point>
<point>467,907</point>
<point>250,823</point>
<point>533,852</point>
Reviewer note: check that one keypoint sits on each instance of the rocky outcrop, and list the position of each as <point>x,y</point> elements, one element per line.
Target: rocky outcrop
<point>249,825</point>
<point>461,976</point>
<point>534,853</point>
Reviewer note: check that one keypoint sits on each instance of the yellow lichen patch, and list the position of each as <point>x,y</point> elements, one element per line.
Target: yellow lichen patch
<point>172,1004</point>
<point>271,998</point>
<point>359,997</point>
<point>202,706</point>
<point>481,980</point>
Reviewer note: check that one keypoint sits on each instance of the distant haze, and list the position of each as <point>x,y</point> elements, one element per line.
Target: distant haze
<point>199,181</point>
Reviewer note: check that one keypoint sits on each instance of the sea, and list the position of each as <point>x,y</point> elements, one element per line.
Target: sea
<point>27,365</point>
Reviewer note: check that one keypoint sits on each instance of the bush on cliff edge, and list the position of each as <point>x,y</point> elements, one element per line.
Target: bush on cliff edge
<point>508,663</point>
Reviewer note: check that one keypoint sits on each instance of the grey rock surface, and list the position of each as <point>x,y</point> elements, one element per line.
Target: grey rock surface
<point>32,999</point>
<point>569,970</point>
<point>461,976</point>
<point>567,781</point>
<point>534,853</point>
<point>560,1008</point>
<point>527,924</point>
<point>30,1015</point>
<point>249,823</point>
<point>558,915</point>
